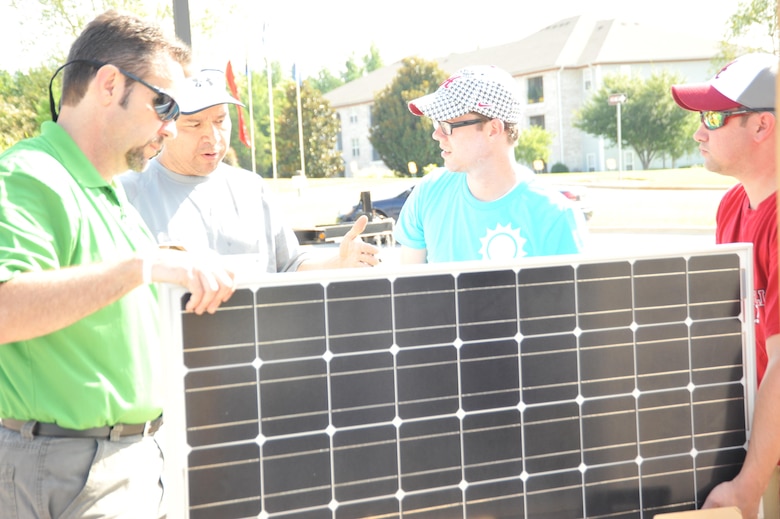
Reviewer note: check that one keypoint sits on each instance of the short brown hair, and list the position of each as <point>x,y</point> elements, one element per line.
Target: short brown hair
<point>124,40</point>
<point>512,131</point>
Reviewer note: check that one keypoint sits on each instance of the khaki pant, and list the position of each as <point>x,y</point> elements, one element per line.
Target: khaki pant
<point>71,478</point>
<point>771,500</point>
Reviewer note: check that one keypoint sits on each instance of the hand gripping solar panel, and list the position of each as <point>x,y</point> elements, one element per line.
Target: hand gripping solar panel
<point>560,387</point>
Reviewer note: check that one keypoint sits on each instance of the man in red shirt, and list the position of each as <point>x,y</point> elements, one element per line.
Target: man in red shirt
<point>737,138</point>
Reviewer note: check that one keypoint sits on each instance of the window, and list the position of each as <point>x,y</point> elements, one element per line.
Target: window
<point>535,90</point>
<point>353,116</point>
<point>587,79</point>
<point>355,147</point>
<point>628,160</point>
<point>590,158</point>
<point>537,120</point>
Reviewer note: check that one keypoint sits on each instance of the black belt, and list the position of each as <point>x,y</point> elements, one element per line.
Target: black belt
<point>107,433</point>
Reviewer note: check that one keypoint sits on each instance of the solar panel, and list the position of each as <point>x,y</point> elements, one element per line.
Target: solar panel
<point>557,387</point>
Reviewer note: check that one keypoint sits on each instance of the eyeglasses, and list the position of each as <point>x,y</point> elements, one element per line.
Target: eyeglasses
<point>446,128</point>
<point>713,120</point>
<point>164,104</point>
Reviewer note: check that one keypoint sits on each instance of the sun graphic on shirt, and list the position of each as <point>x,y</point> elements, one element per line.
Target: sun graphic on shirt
<point>502,243</point>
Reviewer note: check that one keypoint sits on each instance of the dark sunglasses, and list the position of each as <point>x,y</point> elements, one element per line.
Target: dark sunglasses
<point>164,104</point>
<point>713,120</point>
<point>446,128</point>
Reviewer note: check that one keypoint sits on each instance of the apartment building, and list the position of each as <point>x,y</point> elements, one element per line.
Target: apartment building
<point>558,68</point>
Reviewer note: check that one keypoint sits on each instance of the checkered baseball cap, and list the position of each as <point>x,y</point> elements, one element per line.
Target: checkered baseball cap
<point>486,90</point>
<point>747,81</point>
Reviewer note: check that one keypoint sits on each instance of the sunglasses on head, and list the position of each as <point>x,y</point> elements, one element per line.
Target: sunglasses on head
<point>713,120</point>
<point>164,104</point>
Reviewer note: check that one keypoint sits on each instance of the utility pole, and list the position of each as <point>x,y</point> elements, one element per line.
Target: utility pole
<point>618,100</point>
<point>181,20</point>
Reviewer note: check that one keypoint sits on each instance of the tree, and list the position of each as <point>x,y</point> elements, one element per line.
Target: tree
<point>320,134</point>
<point>326,81</point>
<point>754,24</point>
<point>651,122</point>
<point>398,136</point>
<point>353,70</point>
<point>259,124</point>
<point>63,20</point>
<point>373,61</point>
<point>533,144</point>
<point>24,104</point>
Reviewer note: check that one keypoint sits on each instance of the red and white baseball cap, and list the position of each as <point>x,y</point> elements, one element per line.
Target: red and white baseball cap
<point>483,89</point>
<point>748,81</point>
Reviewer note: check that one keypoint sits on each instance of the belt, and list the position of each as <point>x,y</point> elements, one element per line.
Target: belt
<point>114,432</point>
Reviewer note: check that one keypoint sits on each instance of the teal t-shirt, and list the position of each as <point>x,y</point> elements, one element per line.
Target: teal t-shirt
<point>442,216</point>
<point>57,211</point>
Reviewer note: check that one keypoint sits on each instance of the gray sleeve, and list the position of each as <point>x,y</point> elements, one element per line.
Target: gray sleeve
<point>289,255</point>
<point>285,253</point>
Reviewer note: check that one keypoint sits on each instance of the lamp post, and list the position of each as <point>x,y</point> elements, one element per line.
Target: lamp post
<point>618,100</point>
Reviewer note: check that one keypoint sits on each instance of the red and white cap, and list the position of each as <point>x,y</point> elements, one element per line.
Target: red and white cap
<point>486,90</point>
<point>748,81</point>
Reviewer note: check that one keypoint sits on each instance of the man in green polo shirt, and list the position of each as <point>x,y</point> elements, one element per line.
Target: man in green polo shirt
<point>80,382</point>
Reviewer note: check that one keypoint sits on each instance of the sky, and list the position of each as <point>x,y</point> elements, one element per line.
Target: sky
<point>320,34</point>
<point>328,33</point>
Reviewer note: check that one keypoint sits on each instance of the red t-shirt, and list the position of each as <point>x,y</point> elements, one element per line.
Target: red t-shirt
<point>737,222</point>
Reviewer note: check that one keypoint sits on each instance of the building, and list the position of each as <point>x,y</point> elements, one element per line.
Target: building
<point>558,68</point>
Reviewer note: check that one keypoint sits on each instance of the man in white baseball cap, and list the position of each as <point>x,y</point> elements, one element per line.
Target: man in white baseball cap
<point>737,138</point>
<point>191,199</point>
<point>482,205</point>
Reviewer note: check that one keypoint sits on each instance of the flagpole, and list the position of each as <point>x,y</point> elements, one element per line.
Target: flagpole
<point>297,75</point>
<point>269,75</point>
<point>251,111</point>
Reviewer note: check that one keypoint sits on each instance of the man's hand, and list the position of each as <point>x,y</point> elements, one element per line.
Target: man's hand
<point>208,282</point>
<point>353,251</point>
<point>725,494</point>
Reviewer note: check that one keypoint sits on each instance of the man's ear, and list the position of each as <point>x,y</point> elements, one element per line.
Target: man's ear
<point>496,127</point>
<point>765,127</point>
<point>108,84</point>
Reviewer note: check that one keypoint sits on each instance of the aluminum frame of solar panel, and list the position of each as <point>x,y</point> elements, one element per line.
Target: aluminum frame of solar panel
<point>427,392</point>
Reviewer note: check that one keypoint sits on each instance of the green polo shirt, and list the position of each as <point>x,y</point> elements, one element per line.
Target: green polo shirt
<point>57,211</point>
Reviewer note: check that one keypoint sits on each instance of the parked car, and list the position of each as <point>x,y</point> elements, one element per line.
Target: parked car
<point>578,195</point>
<point>382,208</point>
<point>391,207</point>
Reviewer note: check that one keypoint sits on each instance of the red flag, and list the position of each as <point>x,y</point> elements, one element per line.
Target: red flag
<point>243,134</point>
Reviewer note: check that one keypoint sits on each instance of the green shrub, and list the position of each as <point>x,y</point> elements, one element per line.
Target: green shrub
<point>559,168</point>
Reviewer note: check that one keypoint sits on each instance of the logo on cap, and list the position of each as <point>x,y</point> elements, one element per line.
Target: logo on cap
<point>447,82</point>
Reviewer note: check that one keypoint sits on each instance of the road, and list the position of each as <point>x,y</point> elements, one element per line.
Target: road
<point>646,220</point>
<point>643,241</point>
<point>661,209</point>
<point>607,243</point>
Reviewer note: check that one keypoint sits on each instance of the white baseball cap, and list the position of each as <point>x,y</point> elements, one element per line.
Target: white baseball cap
<point>483,89</point>
<point>748,81</point>
<point>204,90</point>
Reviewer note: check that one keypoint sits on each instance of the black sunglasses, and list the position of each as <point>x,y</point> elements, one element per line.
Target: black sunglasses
<point>164,104</point>
<point>713,120</point>
<point>446,128</point>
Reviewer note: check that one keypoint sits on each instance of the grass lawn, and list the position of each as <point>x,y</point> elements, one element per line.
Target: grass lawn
<point>657,178</point>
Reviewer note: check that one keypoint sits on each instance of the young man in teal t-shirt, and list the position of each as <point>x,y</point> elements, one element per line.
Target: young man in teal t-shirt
<point>482,205</point>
